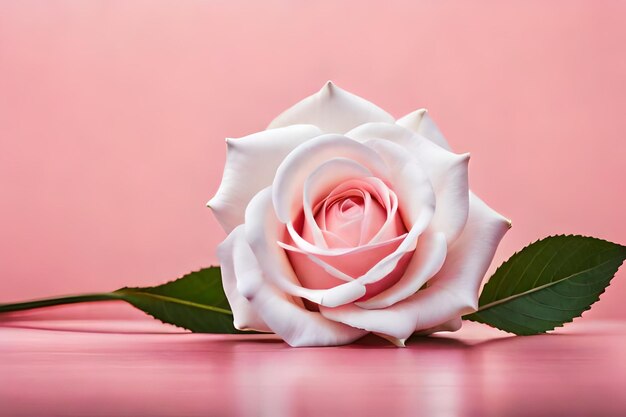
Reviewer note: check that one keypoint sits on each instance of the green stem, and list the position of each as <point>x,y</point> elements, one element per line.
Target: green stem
<point>48,302</point>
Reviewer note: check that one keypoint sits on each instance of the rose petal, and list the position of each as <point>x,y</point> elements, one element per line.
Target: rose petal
<point>383,268</point>
<point>420,122</point>
<point>320,183</point>
<point>470,256</point>
<point>377,222</point>
<point>288,184</point>
<point>429,256</point>
<point>447,173</point>
<point>452,292</point>
<point>347,219</point>
<point>408,180</point>
<point>394,224</point>
<point>416,201</point>
<point>427,308</point>
<point>246,173</point>
<point>333,110</point>
<point>292,322</point>
<point>449,326</point>
<point>244,316</point>
<point>262,234</point>
<point>312,271</point>
<point>416,207</point>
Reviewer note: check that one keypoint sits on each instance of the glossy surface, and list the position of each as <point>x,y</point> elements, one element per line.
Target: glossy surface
<point>141,368</point>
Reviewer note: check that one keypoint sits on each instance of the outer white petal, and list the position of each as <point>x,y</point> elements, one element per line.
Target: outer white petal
<point>292,322</point>
<point>451,293</point>
<point>425,309</point>
<point>245,318</point>
<point>449,326</point>
<point>251,164</point>
<point>333,110</point>
<point>420,122</point>
<point>470,256</point>
<point>447,172</point>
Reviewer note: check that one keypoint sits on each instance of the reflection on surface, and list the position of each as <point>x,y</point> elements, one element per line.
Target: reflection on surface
<point>65,370</point>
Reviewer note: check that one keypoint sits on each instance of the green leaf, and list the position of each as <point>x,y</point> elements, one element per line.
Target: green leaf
<point>548,283</point>
<point>195,302</point>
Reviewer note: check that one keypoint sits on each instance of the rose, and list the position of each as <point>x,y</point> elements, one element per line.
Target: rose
<point>343,221</point>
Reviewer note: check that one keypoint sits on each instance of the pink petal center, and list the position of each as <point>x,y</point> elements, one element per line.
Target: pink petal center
<point>360,213</point>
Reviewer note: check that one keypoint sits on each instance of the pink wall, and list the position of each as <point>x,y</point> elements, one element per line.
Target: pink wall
<point>113,114</point>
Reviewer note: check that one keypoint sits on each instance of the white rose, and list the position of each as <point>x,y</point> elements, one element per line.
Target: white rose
<point>343,221</point>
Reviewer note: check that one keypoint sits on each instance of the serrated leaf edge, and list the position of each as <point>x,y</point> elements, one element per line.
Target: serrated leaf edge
<point>478,320</point>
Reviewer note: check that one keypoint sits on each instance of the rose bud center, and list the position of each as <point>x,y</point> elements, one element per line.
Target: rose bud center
<point>360,214</point>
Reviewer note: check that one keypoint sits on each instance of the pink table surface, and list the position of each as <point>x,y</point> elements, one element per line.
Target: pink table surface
<point>54,365</point>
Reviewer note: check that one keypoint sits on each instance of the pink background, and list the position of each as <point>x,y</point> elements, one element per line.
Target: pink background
<point>113,114</point>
